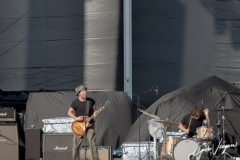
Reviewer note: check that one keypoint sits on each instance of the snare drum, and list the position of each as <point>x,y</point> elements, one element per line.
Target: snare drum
<point>205,133</point>
<point>167,147</point>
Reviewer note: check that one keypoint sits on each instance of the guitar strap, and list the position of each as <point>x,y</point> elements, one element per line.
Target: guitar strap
<point>87,107</point>
<point>190,122</point>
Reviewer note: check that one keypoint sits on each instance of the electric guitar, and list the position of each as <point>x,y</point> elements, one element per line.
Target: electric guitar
<point>79,127</point>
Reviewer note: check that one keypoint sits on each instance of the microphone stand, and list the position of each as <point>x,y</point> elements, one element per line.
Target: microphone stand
<point>138,114</point>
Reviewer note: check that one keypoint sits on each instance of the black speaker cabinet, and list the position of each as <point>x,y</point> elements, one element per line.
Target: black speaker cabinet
<point>104,153</point>
<point>33,144</point>
<point>9,143</point>
<point>59,147</point>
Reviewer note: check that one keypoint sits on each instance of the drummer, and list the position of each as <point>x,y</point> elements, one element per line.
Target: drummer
<point>196,118</point>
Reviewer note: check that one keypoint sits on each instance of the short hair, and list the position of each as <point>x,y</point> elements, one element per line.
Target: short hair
<point>196,110</point>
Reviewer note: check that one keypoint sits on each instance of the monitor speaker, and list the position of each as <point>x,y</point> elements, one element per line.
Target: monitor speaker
<point>33,144</point>
<point>9,143</point>
<point>104,153</point>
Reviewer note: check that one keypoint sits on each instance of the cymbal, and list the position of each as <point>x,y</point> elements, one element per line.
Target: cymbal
<point>226,109</point>
<point>145,112</point>
<point>167,122</point>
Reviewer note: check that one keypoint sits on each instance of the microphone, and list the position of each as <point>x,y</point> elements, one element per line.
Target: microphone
<point>156,90</point>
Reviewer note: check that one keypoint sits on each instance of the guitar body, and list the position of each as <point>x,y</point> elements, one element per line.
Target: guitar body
<point>78,127</point>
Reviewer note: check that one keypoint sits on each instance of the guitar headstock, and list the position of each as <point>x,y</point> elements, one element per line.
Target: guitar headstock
<point>107,103</point>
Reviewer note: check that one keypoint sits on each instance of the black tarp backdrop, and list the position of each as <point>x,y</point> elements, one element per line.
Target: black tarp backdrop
<point>56,45</point>
<point>180,42</point>
<point>111,126</point>
<point>213,92</point>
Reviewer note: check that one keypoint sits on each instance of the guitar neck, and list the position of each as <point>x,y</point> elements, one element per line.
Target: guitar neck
<point>98,111</point>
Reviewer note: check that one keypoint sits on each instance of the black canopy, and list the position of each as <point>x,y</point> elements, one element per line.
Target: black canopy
<point>111,126</point>
<point>212,93</point>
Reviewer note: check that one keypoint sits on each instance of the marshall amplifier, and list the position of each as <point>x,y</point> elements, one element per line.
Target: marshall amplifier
<point>9,143</point>
<point>57,146</point>
<point>7,115</point>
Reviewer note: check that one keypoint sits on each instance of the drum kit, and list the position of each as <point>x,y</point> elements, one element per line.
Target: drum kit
<point>199,147</point>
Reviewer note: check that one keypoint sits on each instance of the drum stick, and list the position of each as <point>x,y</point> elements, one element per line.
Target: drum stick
<point>189,122</point>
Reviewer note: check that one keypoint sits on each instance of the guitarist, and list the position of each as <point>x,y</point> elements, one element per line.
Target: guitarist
<point>82,106</point>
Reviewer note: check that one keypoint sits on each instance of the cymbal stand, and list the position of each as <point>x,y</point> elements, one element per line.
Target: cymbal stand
<point>218,130</point>
<point>218,126</point>
<point>223,128</point>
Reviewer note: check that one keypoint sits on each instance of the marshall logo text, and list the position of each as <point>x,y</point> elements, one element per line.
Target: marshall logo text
<point>60,148</point>
<point>3,114</point>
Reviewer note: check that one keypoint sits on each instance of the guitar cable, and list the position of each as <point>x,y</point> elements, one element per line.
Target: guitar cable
<point>87,106</point>
<point>85,139</point>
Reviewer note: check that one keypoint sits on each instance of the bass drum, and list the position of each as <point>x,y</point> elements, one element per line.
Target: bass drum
<point>185,149</point>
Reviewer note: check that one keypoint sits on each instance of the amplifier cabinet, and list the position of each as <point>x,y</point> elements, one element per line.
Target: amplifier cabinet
<point>9,143</point>
<point>59,147</point>
<point>7,115</point>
